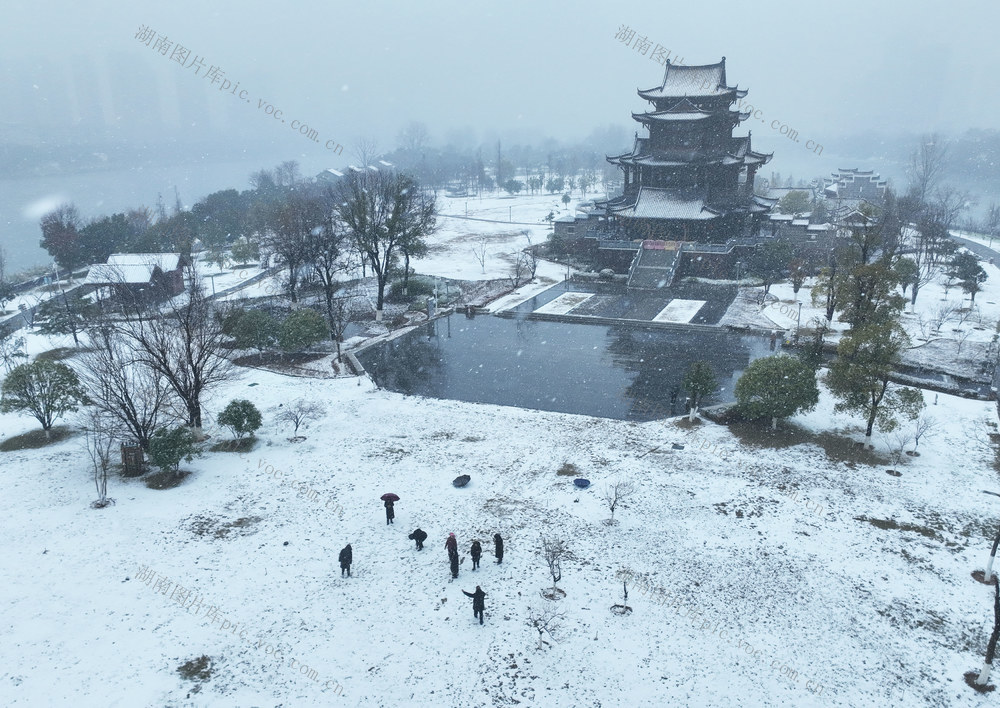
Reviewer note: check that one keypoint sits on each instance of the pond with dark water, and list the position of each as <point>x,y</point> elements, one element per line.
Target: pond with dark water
<point>606,371</point>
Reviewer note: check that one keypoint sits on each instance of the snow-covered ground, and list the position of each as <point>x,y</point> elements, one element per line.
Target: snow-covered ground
<point>761,576</point>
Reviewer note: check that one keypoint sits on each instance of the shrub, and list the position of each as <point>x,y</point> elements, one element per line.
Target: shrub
<point>776,387</point>
<point>301,330</point>
<point>168,446</point>
<point>242,417</point>
<point>250,329</point>
<point>45,389</point>
<point>417,289</point>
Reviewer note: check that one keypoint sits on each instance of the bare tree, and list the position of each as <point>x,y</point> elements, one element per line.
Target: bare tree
<point>518,269</point>
<point>383,211</point>
<point>616,493</point>
<point>185,345</point>
<point>99,440</point>
<point>927,163</point>
<point>943,314</point>
<point>960,339</point>
<point>287,174</point>
<point>924,425</point>
<point>329,255</point>
<point>530,257</point>
<point>366,150</point>
<point>340,314</point>
<point>896,442</point>
<point>480,253</point>
<point>300,413</point>
<point>554,551</point>
<point>121,385</point>
<point>992,223</point>
<point>295,222</point>
<point>545,621</point>
<point>965,314</point>
<point>413,137</point>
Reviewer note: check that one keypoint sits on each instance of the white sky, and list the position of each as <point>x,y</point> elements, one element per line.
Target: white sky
<point>365,69</point>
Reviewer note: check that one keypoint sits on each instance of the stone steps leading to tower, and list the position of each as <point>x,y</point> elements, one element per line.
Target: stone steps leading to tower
<point>654,269</point>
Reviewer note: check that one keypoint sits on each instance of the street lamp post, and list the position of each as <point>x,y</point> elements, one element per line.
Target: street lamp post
<point>798,321</point>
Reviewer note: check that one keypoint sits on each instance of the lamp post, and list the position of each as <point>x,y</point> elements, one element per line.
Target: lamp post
<point>798,321</point>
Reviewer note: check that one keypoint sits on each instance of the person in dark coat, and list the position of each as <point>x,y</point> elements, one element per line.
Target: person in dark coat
<point>477,551</point>
<point>419,536</point>
<point>498,542</point>
<point>346,558</point>
<point>453,560</point>
<point>452,545</point>
<point>478,602</point>
<point>390,512</point>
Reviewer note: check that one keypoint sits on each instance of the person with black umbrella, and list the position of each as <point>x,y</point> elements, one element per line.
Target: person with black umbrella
<point>390,512</point>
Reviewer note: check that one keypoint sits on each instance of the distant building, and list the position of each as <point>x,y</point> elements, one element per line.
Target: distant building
<point>855,184</point>
<point>144,276</point>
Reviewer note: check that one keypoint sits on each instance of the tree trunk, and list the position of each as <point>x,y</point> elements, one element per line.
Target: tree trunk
<point>871,426</point>
<point>194,413</point>
<point>913,294</point>
<point>991,648</point>
<point>406,273</point>
<point>993,555</point>
<point>774,423</point>
<point>693,412</point>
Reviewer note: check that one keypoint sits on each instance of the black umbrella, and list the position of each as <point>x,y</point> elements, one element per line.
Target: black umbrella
<point>389,497</point>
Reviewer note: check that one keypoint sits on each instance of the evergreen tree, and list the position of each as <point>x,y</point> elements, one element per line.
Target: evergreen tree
<point>242,417</point>
<point>301,330</point>
<point>966,270</point>
<point>776,387</point>
<point>699,381</point>
<point>44,389</point>
<point>169,446</point>
<point>860,374</point>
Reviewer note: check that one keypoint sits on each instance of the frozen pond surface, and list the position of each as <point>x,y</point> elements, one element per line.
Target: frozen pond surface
<point>606,371</point>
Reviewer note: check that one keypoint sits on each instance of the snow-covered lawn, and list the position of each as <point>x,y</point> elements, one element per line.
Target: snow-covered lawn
<point>764,544</point>
<point>790,573</point>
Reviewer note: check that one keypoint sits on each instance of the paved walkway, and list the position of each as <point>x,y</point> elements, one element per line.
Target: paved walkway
<point>977,248</point>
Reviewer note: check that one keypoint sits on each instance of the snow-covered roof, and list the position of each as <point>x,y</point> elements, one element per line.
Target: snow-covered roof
<point>653,203</point>
<point>702,81</point>
<point>334,172</point>
<point>132,268</point>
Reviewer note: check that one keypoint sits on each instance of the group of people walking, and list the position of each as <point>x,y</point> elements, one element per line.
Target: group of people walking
<point>451,545</point>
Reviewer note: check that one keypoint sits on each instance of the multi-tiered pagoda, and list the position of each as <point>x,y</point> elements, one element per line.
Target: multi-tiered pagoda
<point>690,179</point>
